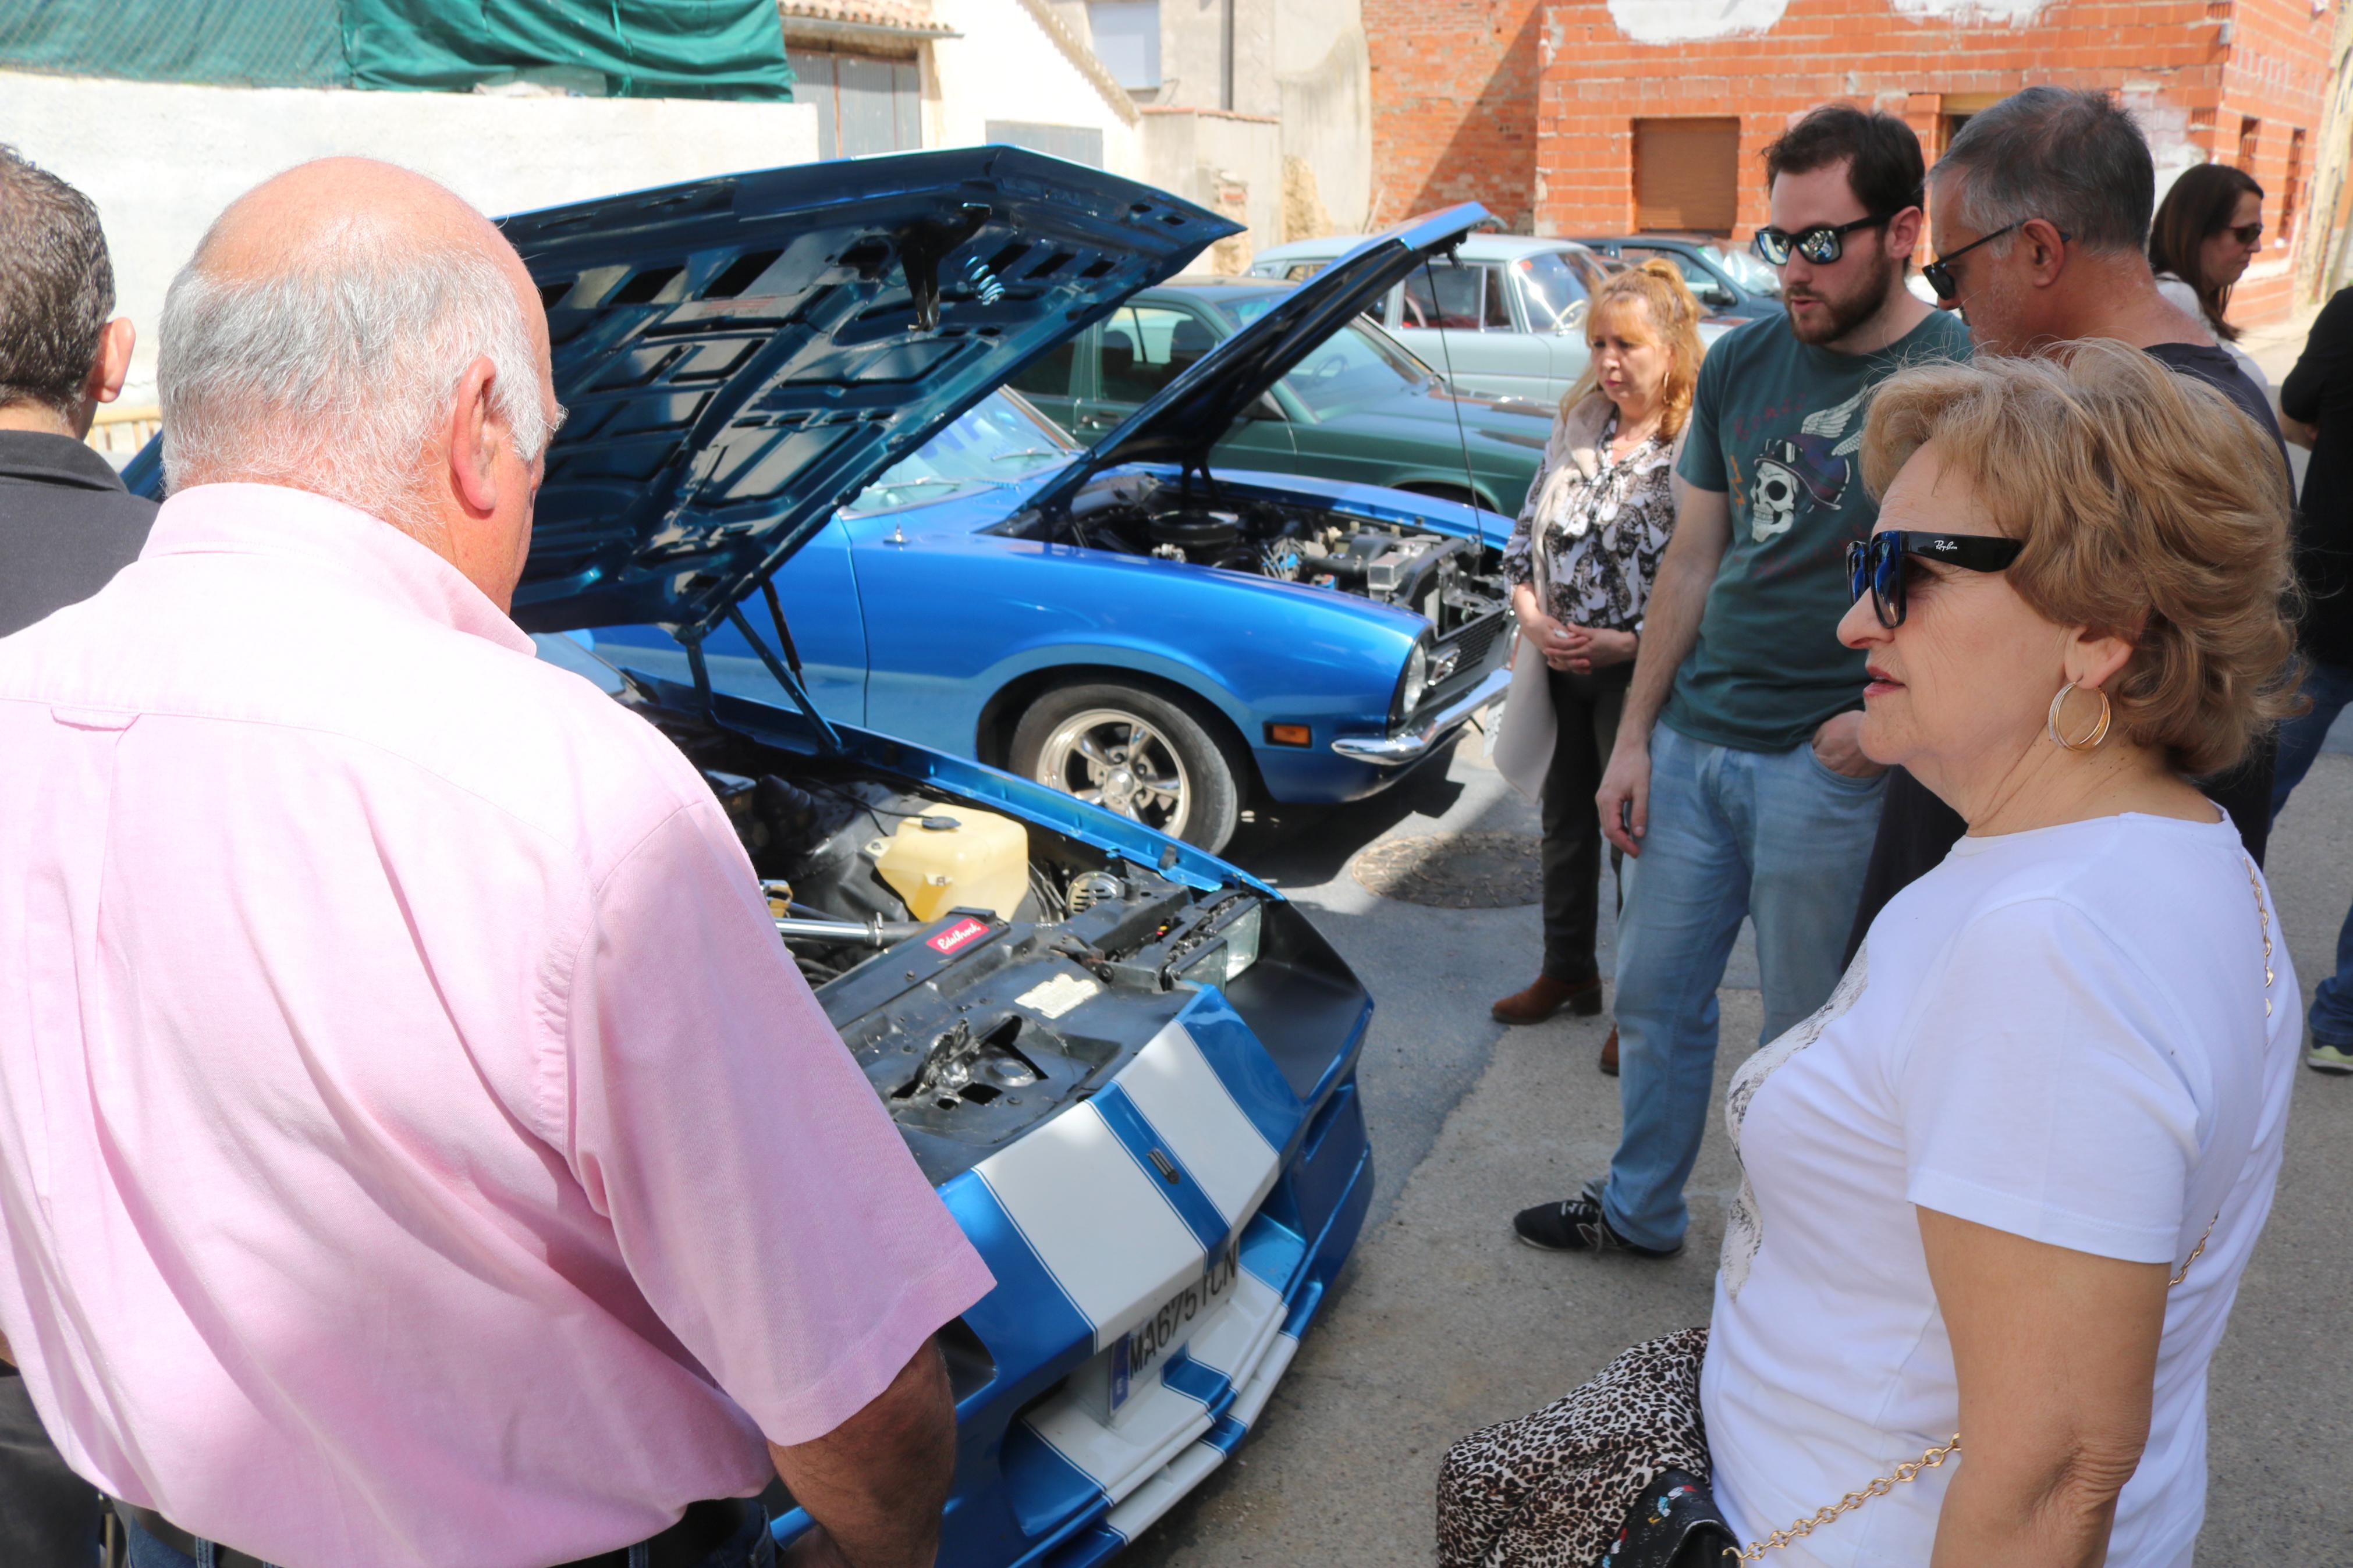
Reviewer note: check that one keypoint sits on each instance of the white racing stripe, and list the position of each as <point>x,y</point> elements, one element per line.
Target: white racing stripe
<point>1093,1217</point>
<point>1188,1105</point>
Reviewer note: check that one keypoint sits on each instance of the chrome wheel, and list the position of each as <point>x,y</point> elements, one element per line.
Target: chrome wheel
<point>1118,761</point>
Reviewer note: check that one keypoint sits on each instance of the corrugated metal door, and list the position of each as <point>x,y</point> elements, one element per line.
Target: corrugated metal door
<point>1687,175</point>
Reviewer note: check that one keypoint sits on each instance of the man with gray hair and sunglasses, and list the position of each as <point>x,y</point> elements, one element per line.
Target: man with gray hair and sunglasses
<point>2038,215</point>
<point>416,1149</point>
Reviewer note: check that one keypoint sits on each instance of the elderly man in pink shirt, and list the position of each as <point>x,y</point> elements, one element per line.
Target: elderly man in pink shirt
<point>417,1151</point>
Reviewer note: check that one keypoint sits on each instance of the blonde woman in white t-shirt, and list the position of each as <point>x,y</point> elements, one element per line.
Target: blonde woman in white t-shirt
<point>2004,1184</point>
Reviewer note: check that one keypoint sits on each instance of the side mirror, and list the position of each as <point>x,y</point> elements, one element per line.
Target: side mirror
<point>1263,407</point>
<point>1716,296</point>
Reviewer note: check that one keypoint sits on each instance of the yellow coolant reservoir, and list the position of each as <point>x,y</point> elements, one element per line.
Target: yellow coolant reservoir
<point>954,857</point>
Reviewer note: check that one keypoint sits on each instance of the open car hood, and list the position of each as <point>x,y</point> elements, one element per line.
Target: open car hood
<point>1193,412</point>
<point>740,356</point>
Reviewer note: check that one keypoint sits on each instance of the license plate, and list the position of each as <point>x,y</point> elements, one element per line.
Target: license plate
<point>1144,1346</point>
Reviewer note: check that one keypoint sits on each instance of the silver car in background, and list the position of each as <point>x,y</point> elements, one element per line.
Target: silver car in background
<point>1504,317</point>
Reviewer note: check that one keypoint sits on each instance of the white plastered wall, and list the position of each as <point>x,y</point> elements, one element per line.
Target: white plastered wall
<point>1008,65</point>
<point>161,160</point>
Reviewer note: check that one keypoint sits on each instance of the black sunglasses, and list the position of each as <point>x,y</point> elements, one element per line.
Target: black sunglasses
<point>1876,565</point>
<point>1939,272</point>
<point>1820,245</point>
<point>2247,234</point>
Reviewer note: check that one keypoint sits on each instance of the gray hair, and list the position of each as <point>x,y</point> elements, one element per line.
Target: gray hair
<point>57,287</point>
<point>332,371</point>
<point>2072,157</point>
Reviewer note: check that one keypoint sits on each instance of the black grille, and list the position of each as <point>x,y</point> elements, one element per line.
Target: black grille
<point>1476,641</point>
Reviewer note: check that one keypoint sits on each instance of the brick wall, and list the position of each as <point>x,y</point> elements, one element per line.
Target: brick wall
<point>1454,94</point>
<point>2173,60</point>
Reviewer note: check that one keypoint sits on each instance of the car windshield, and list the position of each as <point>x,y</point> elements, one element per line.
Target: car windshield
<point>1552,289</point>
<point>1358,364</point>
<point>997,441</point>
<point>1746,271</point>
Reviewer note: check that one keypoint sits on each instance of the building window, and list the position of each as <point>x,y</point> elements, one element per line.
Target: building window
<point>2292,193</point>
<point>1079,144</point>
<point>1127,39</point>
<point>2250,133</point>
<point>1686,176</point>
<point>865,103</point>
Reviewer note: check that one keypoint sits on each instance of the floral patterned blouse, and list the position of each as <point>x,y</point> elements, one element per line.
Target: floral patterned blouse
<point>1606,533</point>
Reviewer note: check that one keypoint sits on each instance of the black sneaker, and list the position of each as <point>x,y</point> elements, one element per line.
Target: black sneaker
<point>1575,1224</point>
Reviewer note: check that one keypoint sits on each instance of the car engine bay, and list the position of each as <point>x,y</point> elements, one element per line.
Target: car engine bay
<point>1450,581</point>
<point>980,1022</point>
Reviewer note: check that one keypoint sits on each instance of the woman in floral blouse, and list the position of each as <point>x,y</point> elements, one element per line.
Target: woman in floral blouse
<point>1580,562</point>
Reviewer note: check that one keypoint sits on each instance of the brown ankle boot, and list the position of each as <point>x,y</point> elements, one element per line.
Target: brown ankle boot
<point>1548,996</point>
<point>1610,1053</point>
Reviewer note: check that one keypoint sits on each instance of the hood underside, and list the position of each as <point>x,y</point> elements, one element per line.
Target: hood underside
<point>1194,412</point>
<point>739,356</point>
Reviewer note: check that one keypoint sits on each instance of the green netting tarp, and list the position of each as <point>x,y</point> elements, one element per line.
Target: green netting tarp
<point>244,43</point>
<point>620,48</point>
<point>641,48</point>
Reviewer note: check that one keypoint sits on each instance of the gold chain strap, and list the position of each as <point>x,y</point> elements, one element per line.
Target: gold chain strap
<point>1910,1469</point>
<point>1880,1487</point>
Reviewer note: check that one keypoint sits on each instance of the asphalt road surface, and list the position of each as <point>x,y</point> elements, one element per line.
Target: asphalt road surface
<point>1444,1323</point>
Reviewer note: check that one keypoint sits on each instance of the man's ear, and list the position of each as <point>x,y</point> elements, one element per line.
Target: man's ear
<point>113,366</point>
<point>476,433</point>
<point>1904,232</point>
<point>2045,250</point>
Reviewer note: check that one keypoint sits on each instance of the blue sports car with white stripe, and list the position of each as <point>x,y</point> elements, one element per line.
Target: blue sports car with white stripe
<point>1129,1068</point>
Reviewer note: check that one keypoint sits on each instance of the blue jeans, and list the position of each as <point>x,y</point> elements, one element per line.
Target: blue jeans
<point>1772,834</point>
<point>752,1547</point>
<point>2330,687</point>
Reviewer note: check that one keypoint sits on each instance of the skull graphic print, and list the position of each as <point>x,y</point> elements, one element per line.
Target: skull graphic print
<point>1814,470</point>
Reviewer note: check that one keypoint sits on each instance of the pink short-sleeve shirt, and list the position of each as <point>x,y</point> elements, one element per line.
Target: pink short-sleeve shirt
<point>416,1148</point>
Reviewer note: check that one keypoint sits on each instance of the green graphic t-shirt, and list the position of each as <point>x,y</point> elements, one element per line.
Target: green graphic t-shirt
<point>1777,424</point>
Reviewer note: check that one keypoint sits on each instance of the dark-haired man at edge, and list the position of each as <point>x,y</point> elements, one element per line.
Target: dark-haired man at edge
<point>67,526</point>
<point>1752,798</point>
<point>2040,227</point>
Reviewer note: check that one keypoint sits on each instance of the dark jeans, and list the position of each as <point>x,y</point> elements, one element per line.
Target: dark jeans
<point>2330,687</point>
<point>752,1547</point>
<point>47,1514</point>
<point>1587,708</point>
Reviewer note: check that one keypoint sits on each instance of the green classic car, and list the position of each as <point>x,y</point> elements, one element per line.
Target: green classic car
<point>1361,407</point>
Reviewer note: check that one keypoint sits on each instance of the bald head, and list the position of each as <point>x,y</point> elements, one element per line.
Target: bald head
<point>327,331</point>
<point>310,210</point>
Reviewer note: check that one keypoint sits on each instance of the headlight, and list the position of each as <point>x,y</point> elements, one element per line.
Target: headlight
<point>1235,950</point>
<point>1416,680</point>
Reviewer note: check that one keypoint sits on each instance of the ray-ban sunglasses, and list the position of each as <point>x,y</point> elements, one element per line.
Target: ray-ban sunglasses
<point>1877,566</point>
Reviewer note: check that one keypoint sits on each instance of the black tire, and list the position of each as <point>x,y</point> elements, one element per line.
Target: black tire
<point>1211,776</point>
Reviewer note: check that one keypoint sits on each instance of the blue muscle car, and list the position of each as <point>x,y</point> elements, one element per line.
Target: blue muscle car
<point>1129,1069</point>
<point>1125,623</point>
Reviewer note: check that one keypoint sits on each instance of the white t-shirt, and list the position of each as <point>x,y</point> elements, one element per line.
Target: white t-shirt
<point>2060,1034</point>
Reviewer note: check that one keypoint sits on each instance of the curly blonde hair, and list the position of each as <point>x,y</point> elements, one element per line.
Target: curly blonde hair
<point>1674,326</point>
<point>2151,508</point>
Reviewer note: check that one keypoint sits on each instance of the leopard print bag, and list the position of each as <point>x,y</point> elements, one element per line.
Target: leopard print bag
<point>1613,1475</point>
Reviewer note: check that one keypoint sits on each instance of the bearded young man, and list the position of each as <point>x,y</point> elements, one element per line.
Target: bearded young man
<point>1753,799</point>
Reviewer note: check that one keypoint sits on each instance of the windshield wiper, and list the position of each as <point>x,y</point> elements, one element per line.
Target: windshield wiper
<point>1024,452</point>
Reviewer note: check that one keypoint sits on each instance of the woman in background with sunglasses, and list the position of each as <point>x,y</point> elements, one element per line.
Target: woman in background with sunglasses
<point>2208,227</point>
<point>2005,1182</point>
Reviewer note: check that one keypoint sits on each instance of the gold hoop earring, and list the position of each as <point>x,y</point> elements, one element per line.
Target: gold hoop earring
<point>2099,731</point>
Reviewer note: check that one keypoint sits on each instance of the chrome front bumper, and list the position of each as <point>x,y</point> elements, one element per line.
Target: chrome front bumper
<point>1412,741</point>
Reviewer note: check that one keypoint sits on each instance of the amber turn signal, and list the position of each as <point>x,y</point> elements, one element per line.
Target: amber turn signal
<point>1289,735</point>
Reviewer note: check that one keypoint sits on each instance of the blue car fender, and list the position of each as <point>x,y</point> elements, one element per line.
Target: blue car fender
<point>1257,650</point>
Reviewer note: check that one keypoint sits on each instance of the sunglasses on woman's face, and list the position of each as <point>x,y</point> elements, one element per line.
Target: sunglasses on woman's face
<point>2250,235</point>
<point>1878,566</point>
<point>1820,245</point>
